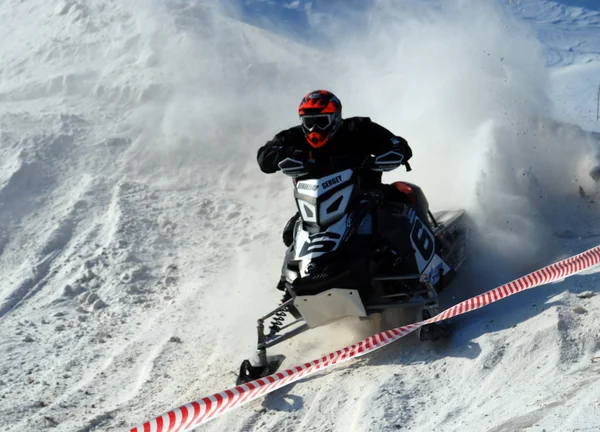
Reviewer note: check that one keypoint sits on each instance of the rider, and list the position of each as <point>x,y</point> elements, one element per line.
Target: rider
<point>323,134</point>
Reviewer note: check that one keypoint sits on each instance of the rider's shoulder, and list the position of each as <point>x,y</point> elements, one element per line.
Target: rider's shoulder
<point>358,120</point>
<point>353,123</point>
<point>295,132</point>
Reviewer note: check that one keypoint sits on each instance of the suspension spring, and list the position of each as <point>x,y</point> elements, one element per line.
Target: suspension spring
<point>279,317</point>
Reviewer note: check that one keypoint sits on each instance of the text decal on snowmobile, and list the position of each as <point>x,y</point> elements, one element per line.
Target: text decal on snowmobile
<point>309,246</point>
<point>305,186</point>
<point>332,182</point>
<point>316,187</point>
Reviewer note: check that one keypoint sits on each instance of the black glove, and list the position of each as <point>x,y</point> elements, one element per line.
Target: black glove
<point>298,155</point>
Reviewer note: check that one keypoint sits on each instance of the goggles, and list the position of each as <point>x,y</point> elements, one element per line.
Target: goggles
<point>320,122</point>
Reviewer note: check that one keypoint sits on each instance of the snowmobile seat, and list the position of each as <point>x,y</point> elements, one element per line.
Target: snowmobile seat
<point>416,197</point>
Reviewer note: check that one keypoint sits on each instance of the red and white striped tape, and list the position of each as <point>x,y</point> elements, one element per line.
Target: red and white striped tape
<point>191,415</point>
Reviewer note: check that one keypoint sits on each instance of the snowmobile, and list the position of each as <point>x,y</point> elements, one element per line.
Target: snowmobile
<point>358,252</point>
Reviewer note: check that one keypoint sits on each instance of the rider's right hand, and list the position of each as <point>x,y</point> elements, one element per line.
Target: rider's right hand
<point>299,155</point>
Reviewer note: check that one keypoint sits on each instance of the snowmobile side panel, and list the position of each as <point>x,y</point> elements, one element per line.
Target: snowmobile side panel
<point>453,228</point>
<point>446,219</point>
<point>436,269</point>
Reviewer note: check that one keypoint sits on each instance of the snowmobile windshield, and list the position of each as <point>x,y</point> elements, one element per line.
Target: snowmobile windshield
<point>322,167</point>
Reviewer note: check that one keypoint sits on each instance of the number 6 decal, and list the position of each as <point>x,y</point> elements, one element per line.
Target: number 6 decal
<point>423,242</point>
<point>319,243</point>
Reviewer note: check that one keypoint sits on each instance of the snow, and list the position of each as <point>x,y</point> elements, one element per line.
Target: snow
<point>139,241</point>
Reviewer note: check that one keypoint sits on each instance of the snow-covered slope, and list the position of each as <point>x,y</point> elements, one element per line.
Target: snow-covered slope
<point>570,32</point>
<point>139,241</point>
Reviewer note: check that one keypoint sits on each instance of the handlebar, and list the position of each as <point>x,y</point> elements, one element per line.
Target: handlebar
<point>297,165</point>
<point>369,163</point>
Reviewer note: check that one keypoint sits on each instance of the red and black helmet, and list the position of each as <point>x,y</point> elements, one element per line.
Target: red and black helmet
<point>321,116</point>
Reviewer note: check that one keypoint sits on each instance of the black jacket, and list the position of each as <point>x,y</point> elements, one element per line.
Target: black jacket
<point>357,138</point>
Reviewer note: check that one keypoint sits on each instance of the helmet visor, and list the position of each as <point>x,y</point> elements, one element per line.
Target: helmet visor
<point>318,122</point>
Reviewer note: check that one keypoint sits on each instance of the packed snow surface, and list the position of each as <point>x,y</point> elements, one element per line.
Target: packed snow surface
<point>139,241</point>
